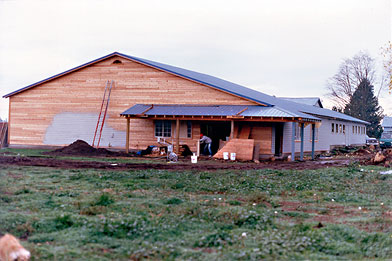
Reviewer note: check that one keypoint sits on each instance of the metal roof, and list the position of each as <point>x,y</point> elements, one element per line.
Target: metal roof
<point>209,110</point>
<point>314,101</point>
<point>387,122</point>
<point>297,109</point>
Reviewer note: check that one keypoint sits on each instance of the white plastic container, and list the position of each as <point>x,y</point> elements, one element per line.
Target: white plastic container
<point>194,158</point>
<point>232,155</point>
<point>225,155</point>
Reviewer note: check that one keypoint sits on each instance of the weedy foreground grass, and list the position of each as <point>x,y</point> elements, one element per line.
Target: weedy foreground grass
<point>87,214</point>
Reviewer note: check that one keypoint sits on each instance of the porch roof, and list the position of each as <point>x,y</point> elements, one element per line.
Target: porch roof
<point>143,110</point>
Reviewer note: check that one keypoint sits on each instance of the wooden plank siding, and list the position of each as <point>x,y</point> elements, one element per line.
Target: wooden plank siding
<point>34,111</point>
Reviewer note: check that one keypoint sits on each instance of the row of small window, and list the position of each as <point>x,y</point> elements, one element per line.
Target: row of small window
<point>163,129</point>
<point>298,132</point>
<point>359,130</point>
<point>341,128</point>
<point>338,128</point>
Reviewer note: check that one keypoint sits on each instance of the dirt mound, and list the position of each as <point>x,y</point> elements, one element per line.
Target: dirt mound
<point>82,148</point>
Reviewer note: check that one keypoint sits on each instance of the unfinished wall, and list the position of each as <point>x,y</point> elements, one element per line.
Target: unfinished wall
<point>260,132</point>
<point>83,128</point>
<point>35,113</point>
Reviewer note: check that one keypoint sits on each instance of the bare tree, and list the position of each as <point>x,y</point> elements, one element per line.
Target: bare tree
<point>387,53</point>
<point>350,74</point>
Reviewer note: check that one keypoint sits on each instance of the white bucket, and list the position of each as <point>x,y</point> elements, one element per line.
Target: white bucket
<point>194,158</point>
<point>225,155</point>
<point>232,155</point>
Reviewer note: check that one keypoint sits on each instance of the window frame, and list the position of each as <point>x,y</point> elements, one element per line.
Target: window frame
<point>166,128</point>
<point>297,136</point>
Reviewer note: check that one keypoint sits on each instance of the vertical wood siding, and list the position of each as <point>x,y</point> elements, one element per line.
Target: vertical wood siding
<point>56,109</point>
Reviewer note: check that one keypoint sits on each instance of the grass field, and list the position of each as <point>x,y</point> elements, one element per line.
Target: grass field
<point>90,214</point>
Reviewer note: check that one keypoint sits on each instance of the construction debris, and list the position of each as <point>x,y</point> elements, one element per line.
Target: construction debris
<point>379,157</point>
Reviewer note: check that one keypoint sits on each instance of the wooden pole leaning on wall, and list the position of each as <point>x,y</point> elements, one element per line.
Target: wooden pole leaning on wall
<point>177,136</point>
<point>127,141</point>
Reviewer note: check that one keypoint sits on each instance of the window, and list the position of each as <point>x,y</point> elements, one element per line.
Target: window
<point>353,129</point>
<point>163,128</point>
<point>185,129</point>
<point>344,129</point>
<point>297,131</point>
<point>340,128</point>
<point>117,62</point>
<point>189,129</point>
<point>333,127</point>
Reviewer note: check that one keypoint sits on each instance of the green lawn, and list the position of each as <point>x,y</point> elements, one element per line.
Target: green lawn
<point>117,215</point>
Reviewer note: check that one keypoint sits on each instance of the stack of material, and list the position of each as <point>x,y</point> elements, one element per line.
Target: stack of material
<point>242,147</point>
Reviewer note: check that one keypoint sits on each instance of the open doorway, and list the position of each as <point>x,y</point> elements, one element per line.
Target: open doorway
<point>278,139</point>
<point>216,130</point>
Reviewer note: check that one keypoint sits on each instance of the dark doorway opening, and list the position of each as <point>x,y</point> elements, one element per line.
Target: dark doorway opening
<point>278,139</point>
<point>216,130</point>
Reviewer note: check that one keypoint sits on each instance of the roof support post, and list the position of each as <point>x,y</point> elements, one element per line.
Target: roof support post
<point>302,141</point>
<point>127,141</point>
<point>313,137</point>
<point>177,136</point>
<point>293,141</point>
<point>232,130</point>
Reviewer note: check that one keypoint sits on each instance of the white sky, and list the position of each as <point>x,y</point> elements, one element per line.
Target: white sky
<point>280,47</point>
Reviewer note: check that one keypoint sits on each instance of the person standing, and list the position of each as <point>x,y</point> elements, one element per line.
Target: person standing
<point>207,144</point>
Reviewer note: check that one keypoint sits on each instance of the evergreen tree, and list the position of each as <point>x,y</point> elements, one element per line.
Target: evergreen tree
<point>364,105</point>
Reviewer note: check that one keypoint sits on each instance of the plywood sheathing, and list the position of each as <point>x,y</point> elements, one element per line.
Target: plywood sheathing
<point>245,132</point>
<point>242,147</point>
<point>263,136</point>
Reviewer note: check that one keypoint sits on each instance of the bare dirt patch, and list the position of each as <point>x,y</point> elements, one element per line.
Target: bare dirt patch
<point>185,164</point>
<point>82,148</point>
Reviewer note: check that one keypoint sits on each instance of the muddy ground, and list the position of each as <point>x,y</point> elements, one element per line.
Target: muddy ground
<point>184,164</point>
<point>81,148</point>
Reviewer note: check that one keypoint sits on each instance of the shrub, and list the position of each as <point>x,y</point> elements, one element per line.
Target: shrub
<point>173,201</point>
<point>214,240</point>
<point>103,200</point>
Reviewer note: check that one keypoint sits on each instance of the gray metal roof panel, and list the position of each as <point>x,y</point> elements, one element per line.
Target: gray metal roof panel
<point>300,110</point>
<point>387,122</point>
<point>136,109</point>
<point>211,110</point>
<point>305,100</point>
<point>218,110</point>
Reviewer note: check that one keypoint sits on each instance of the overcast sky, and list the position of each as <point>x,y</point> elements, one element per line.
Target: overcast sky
<point>280,47</point>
